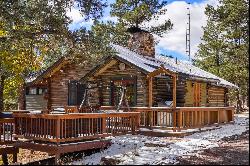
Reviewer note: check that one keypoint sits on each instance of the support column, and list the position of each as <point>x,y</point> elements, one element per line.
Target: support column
<point>174,91</point>
<point>150,92</point>
<point>150,100</point>
<point>49,103</point>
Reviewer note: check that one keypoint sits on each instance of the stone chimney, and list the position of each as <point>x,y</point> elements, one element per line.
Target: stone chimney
<point>141,42</point>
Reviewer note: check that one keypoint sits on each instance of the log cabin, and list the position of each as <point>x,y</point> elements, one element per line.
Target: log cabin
<point>151,81</point>
<point>160,92</point>
<point>154,80</point>
<point>168,92</point>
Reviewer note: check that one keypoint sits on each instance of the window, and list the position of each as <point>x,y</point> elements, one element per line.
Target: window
<point>40,91</point>
<point>32,91</point>
<point>72,93</point>
<point>35,90</point>
<point>75,92</point>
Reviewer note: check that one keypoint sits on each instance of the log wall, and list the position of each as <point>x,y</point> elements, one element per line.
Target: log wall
<point>114,72</point>
<point>35,102</point>
<point>216,96</point>
<point>60,80</point>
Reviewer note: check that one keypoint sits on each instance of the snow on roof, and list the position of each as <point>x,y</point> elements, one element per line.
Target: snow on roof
<point>134,58</point>
<point>33,75</point>
<point>149,64</point>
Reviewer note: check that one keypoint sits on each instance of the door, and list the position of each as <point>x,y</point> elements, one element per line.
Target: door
<point>197,94</point>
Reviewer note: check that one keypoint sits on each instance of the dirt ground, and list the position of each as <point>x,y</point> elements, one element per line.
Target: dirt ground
<point>232,150</point>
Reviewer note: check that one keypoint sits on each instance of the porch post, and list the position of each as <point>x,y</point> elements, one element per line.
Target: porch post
<point>174,91</point>
<point>49,93</point>
<point>150,100</point>
<point>150,93</point>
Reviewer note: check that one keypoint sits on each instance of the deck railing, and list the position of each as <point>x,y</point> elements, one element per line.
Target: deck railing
<point>196,117</point>
<point>183,117</point>
<point>75,126</point>
<point>6,131</point>
<point>155,117</point>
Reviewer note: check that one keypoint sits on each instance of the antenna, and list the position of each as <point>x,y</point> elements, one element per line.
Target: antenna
<point>188,34</point>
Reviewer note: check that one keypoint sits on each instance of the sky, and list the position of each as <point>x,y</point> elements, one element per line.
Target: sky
<point>173,42</point>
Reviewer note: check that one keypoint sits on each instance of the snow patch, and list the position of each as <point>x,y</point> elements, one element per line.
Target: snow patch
<point>143,150</point>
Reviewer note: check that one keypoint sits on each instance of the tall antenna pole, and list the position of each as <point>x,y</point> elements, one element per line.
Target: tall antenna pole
<point>188,34</point>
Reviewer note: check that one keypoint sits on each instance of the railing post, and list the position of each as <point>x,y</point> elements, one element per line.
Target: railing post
<point>132,118</point>
<point>218,117</point>
<point>104,125</point>
<point>196,118</point>
<point>174,120</point>
<point>138,120</point>
<point>58,130</point>
<point>208,117</point>
<point>180,120</point>
<point>232,112</point>
<point>151,116</point>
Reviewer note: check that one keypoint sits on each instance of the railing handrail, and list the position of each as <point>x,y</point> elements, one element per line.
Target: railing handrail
<point>7,120</point>
<point>177,109</point>
<point>76,115</point>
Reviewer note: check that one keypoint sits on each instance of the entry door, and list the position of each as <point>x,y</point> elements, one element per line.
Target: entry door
<point>197,94</point>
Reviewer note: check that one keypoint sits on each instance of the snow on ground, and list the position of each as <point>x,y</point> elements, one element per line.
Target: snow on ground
<point>139,149</point>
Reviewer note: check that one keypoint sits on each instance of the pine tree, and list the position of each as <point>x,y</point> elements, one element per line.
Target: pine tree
<point>134,13</point>
<point>131,14</point>
<point>225,44</point>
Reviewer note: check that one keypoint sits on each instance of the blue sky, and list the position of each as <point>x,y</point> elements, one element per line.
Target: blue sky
<point>173,42</point>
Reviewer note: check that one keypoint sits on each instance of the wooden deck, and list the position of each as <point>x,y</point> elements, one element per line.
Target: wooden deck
<point>70,132</point>
<point>63,133</point>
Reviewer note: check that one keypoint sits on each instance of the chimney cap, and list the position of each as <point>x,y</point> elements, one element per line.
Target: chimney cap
<point>134,29</point>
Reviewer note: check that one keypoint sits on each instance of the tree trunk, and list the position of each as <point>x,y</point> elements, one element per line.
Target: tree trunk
<point>21,99</point>
<point>239,104</point>
<point>247,98</point>
<point>243,101</point>
<point>1,93</point>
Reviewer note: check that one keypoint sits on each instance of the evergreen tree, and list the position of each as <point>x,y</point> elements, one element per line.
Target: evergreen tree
<point>29,30</point>
<point>131,13</point>
<point>225,44</point>
<point>134,13</point>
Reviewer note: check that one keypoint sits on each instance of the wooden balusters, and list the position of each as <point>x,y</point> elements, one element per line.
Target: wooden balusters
<point>72,127</point>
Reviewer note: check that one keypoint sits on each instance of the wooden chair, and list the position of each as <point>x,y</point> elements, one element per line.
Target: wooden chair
<point>71,109</point>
